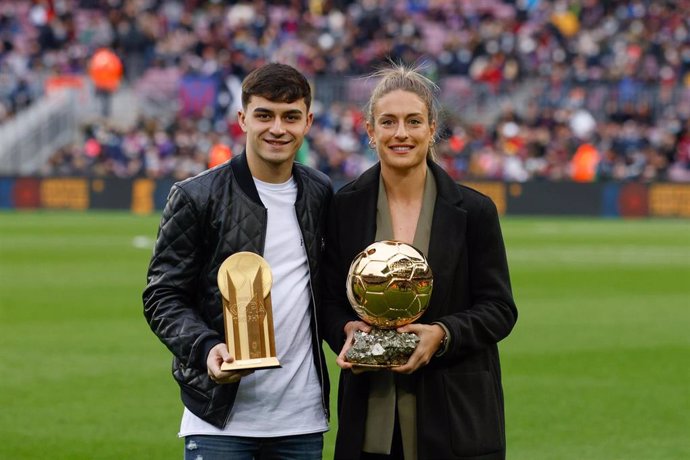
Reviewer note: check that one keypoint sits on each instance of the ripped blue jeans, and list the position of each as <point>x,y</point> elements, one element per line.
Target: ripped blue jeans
<point>298,447</point>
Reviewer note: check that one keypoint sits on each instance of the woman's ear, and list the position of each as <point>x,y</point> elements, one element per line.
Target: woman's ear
<point>370,131</point>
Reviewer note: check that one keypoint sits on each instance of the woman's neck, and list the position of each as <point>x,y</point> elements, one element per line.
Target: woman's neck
<point>405,193</point>
<point>404,185</point>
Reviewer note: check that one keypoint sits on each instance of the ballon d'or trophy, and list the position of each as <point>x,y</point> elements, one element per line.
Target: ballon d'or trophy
<point>388,285</point>
<point>245,281</point>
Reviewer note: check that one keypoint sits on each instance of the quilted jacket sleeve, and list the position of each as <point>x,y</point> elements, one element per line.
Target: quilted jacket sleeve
<point>172,283</point>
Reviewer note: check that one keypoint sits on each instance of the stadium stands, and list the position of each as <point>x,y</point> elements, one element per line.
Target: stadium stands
<point>525,84</point>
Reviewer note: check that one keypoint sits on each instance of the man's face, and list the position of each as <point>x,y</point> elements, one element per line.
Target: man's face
<point>275,130</point>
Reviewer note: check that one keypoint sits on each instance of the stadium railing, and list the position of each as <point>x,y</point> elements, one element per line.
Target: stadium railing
<point>34,134</point>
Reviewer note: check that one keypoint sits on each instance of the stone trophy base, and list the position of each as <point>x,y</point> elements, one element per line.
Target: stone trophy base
<point>381,348</point>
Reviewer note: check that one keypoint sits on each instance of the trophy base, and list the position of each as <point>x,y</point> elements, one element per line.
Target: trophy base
<point>376,366</point>
<point>382,348</point>
<point>257,363</point>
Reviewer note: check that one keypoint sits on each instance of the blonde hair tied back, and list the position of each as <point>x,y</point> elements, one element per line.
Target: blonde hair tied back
<point>398,76</point>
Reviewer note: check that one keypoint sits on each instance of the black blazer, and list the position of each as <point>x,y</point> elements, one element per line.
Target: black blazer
<point>459,395</point>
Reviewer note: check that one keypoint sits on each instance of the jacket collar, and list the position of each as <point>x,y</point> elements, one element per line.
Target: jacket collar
<point>243,176</point>
<point>446,187</point>
<point>360,199</point>
<point>240,169</point>
<point>448,235</point>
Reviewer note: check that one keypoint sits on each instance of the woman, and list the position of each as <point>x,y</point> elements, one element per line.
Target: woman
<point>447,400</point>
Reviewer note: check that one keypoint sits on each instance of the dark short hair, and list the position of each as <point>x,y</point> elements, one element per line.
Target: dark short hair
<point>277,83</point>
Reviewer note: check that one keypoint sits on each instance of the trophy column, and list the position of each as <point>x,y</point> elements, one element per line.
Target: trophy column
<point>245,281</point>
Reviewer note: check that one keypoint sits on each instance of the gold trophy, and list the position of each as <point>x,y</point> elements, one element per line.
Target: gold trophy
<point>389,285</point>
<point>245,281</point>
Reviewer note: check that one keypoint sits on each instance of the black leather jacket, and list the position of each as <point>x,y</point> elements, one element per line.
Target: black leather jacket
<point>206,219</point>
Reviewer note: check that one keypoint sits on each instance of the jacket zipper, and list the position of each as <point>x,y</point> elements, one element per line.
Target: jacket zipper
<point>317,342</point>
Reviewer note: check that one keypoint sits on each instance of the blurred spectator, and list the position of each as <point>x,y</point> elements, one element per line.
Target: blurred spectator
<point>619,70</point>
<point>219,153</point>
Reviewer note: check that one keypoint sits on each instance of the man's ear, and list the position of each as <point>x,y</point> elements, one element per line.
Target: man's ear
<point>241,119</point>
<point>310,120</point>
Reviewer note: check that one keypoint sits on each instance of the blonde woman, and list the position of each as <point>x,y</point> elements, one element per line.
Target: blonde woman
<point>447,400</point>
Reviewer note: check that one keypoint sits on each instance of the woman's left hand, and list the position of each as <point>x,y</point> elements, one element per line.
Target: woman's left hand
<point>430,338</point>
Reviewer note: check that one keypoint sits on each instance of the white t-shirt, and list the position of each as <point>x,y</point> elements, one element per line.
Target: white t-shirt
<point>284,401</point>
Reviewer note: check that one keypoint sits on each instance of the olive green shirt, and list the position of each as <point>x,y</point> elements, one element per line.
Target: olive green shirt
<point>389,391</point>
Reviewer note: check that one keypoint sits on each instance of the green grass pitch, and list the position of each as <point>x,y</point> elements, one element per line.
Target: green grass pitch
<point>597,367</point>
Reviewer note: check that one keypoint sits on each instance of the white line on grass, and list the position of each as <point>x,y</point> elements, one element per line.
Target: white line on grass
<point>143,242</point>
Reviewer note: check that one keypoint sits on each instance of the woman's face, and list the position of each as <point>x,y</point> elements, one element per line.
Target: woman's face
<point>401,130</point>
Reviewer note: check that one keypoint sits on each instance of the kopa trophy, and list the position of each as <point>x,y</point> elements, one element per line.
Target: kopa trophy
<point>244,281</point>
<point>388,285</point>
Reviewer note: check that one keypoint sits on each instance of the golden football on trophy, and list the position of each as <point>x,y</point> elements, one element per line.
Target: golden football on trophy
<point>389,284</point>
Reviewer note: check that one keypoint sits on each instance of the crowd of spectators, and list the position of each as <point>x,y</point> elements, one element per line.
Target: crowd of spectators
<point>608,77</point>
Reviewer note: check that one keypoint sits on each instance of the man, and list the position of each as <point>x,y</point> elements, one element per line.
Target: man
<point>262,202</point>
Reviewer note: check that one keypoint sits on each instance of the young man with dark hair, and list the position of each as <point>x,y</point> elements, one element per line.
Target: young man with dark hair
<point>263,202</point>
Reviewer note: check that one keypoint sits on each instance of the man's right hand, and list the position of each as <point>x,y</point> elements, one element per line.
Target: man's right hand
<point>216,357</point>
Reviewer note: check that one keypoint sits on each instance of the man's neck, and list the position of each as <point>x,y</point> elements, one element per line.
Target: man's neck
<point>269,172</point>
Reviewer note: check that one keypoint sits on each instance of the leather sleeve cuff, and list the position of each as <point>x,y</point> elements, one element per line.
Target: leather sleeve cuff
<point>206,346</point>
